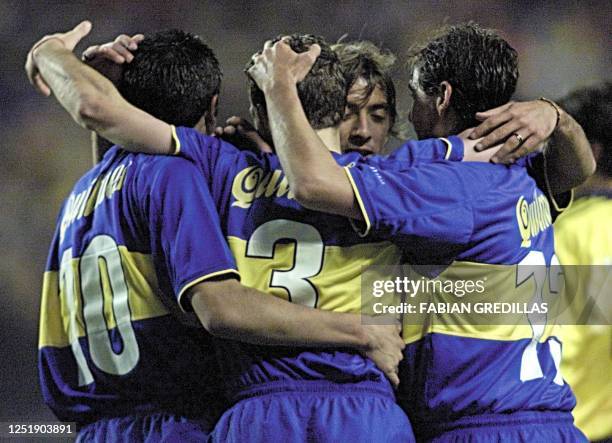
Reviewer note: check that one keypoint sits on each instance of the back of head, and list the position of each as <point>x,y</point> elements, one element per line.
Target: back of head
<point>481,67</point>
<point>322,92</point>
<point>363,59</point>
<point>173,76</point>
<point>592,109</point>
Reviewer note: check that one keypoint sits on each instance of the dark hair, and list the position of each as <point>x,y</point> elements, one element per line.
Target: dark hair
<point>323,90</point>
<point>173,76</point>
<point>480,65</point>
<point>363,59</point>
<point>592,109</point>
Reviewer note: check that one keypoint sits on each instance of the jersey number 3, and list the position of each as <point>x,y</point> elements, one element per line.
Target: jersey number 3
<point>307,257</point>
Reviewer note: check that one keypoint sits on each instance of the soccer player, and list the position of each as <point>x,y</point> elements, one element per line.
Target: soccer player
<point>138,239</point>
<point>459,382</point>
<point>255,189</point>
<point>371,109</point>
<point>582,238</point>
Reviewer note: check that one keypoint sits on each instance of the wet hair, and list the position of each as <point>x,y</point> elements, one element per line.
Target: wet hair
<point>323,90</point>
<point>479,64</point>
<point>363,59</point>
<point>173,76</point>
<point>592,108</point>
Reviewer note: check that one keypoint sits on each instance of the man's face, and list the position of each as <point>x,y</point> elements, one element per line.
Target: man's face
<point>366,122</point>
<point>423,114</point>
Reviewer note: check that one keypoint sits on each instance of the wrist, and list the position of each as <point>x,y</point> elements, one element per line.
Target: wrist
<point>47,43</point>
<point>557,110</point>
<point>280,89</point>
<point>363,340</point>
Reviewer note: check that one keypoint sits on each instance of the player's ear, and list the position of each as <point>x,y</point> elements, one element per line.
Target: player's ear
<point>209,120</point>
<point>444,97</point>
<point>214,105</point>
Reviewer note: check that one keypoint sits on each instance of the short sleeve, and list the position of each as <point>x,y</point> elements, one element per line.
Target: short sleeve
<point>185,226</point>
<point>427,205</point>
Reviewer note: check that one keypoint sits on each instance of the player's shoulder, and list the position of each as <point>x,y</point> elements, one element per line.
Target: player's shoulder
<point>490,179</point>
<point>207,150</point>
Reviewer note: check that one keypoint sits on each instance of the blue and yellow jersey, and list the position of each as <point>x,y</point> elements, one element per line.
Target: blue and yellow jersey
<point>473,221</point>
<point>583,238</point>
<point>134,234</point>
<point>299,255</point>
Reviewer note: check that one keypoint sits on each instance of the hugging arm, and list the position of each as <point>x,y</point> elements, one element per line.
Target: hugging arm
<point>568,158</point>
<point>90,98</point>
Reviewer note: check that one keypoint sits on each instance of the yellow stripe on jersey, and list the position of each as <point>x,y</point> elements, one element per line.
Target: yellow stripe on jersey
<point>362,231</point>
<point>200,280</point>
<point>490,285</point>
<point>336,280</point>
<point>51,331</point>
<point>56,316</point>
<point>176,141</point>
<point>449,148</point>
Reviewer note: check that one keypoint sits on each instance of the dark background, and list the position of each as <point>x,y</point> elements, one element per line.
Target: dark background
<point>562,45</point>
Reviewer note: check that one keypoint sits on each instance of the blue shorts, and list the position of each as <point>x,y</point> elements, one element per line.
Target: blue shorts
<point>315,412</point>
<point>531,427</point>
<point>153,428</point>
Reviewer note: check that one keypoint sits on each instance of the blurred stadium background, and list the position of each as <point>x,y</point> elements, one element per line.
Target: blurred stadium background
<point>562,45</point>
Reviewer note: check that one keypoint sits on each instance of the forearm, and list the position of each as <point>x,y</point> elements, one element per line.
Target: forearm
<point>315,178</point>
<point>247,315</point>
<point>94,102</point>
<point>569,159</point>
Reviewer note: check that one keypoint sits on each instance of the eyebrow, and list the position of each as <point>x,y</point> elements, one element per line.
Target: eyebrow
<point>377,106</point>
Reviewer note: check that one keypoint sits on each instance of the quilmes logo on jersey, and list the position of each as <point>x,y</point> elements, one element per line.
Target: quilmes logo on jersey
<point>253,182</point>
<point>82,204</point>
<point>532,217</point>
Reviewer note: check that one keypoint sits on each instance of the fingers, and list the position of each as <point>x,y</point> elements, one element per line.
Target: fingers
<point>268,44</point>
<point>511,154</point>
<point>74,36</point>
<point>394,379</point>
<point>90,52</point>
<point>34,77</point>
<point>501,134</point>
<point>137,38</point>
<point>490,112</point>
<point>490,124</point>
<point>311,55</point>
<point>41,86</point>
<point>119,51</point>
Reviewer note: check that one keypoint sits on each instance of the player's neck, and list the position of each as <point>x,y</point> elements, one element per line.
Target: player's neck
<point>330,138</point>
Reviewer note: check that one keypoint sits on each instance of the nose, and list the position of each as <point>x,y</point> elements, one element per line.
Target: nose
<point>362,129</point>
<point>360,132</point>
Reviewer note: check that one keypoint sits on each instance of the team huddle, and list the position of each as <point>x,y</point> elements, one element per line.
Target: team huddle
<point>212,291</point>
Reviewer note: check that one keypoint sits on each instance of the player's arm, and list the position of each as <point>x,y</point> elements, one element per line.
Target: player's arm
<point>314,177</point>
<point>90,98</point>
<point>311,168</point>
<point>228,309</point>
<point>185,227</point>
<point>231,310</point>
<point>569,159</point>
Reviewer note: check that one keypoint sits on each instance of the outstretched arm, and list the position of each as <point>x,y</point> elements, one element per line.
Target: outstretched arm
<point>90,98</point>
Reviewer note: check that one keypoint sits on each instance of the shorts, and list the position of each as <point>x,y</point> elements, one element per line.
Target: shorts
<point>155,427</point>
<point>530,427</point>
<point>315,412</point>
